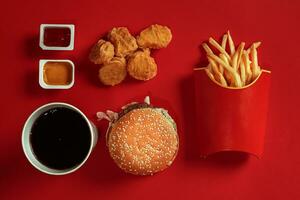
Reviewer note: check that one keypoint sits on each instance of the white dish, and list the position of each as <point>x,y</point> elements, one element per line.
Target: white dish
<point>42,82</point>
<point>72,36</point>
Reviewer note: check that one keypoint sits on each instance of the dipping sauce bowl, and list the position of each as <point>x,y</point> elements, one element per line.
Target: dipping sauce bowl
<point>56,74</point>
<point>57,36</point>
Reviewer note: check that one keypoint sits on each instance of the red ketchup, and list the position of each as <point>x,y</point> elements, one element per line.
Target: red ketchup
<point>57,37</point>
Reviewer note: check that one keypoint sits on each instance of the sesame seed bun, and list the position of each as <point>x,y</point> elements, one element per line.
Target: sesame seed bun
<point>143,140</point>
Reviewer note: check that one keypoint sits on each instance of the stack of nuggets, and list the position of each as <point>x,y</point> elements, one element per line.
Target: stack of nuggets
<point>123,53</point>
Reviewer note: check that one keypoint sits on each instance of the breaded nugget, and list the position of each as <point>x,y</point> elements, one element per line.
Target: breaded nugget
<point>114,72</point>
<point>142,66</point>
<point>155,37</point>
<point>123,41</point>
<point>119,60</point>
<point>102,52</point>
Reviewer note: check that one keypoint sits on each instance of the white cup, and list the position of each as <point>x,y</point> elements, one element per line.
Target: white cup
<point>26,144</point>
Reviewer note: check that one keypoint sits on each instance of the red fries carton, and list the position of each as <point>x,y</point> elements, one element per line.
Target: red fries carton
<point>231,119</point>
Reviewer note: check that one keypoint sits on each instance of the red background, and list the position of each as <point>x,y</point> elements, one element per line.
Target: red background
<point>275,23</point>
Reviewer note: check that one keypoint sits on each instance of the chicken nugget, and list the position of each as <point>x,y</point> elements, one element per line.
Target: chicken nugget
<point>123,41</point>
<point>119,60</point>
<point>113,72</point>
<point>142,66</point>
<point>102,52</point>
<point>155,37</point>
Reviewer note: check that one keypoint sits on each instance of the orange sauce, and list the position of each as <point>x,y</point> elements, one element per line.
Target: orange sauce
<point>57,73</point>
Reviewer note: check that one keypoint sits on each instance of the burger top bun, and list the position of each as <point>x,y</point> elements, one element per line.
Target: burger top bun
<point>142,140</point>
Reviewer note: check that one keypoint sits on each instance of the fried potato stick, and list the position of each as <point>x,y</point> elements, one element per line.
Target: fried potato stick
<point>224,41</point>
<point>236,76</point>
<point>217,46</point>
<point>220,78</point>
<point>254,63</point>
<point>231,44</point>
<point>206,48</point>
<point>209,74</point>
<point>246,60</point>
<point>237,56</point>
<point>256,45</point>
<point>223,44</point>
<point>227,74</point>
<point>243,73</point>
<point>240,52</point>
<point>213,65</point>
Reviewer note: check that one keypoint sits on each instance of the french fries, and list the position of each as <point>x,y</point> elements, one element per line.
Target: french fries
<point>224,41</point>
<point>255,44</point>
<point>254,63</point>
<point>231,44</point>
<point>214,67</point>
<point>243,73</point>
<point>236,68</point>
<point>207,49</point>
<point>217,46</point>
<point>246,60</point>
<point>210,75</point>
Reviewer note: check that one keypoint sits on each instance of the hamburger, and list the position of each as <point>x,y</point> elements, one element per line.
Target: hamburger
<point>142,139</point>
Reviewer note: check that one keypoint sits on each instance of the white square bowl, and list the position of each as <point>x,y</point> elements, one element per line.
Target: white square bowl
<point>42,82</point>
<point>72,36</point>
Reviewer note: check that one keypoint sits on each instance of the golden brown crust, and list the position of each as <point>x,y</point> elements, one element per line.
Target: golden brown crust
<point>122,44</point>
<point>114,72</point>
<point>143,142</point>
<point>155,37</point>
<point>142,66</point>
<point>102,52</point>
<point>123,41</point>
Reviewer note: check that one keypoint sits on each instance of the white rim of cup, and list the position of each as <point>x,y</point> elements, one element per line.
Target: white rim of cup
<point>27,146</point>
